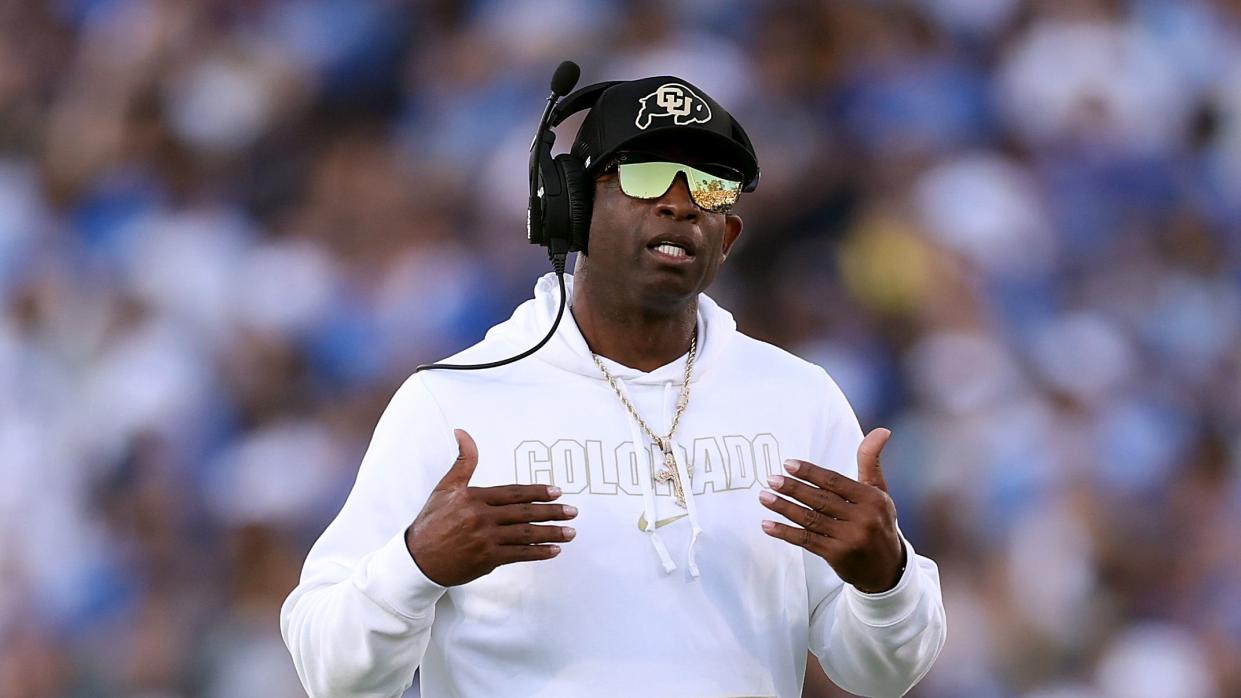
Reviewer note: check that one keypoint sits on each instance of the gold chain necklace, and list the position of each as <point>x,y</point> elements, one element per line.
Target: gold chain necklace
<point>669,473</point>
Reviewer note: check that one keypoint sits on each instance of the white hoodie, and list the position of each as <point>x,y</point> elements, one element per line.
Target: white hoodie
<point>622,611</point>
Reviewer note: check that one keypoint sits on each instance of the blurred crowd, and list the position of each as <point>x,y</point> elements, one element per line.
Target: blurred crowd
<point>1010,229</point>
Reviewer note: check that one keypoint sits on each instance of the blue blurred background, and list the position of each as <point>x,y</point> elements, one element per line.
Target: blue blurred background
<point>230,228</point>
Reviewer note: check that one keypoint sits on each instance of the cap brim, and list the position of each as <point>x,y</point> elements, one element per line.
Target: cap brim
<point>719,148</point>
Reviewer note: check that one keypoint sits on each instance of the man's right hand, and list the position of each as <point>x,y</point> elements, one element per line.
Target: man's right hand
<point>463,532</point>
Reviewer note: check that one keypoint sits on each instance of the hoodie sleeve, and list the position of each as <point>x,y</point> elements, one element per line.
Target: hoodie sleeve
<point>870,644</point>
<point>360,618</point>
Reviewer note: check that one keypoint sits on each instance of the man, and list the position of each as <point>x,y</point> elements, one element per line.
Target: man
<point>727,514</point>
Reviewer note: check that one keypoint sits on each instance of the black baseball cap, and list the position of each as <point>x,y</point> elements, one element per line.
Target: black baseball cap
<point>631,114</point>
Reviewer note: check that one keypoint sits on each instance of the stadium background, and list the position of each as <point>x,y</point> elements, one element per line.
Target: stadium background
<point>1010,230</point>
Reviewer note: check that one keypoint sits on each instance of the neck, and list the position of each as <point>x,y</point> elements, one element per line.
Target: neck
<point>636,337</point>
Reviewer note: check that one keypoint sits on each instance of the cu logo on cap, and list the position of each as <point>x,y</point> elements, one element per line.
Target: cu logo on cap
<point>676,101</point>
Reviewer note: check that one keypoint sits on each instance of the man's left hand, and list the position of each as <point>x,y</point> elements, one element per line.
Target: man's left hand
<point>849,523</point>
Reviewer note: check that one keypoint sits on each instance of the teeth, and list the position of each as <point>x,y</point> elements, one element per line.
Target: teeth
<point>671,250</point>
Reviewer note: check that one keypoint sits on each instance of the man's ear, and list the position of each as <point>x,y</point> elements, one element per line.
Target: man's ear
<point>732,231</point>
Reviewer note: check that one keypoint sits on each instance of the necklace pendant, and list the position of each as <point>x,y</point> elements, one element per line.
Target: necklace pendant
<point>669,474</point>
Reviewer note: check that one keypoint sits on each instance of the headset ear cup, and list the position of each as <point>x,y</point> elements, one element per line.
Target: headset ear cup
<point>580,195</point>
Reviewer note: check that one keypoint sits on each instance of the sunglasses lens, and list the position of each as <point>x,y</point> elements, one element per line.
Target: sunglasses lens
<point>650,180</point>
<point>711,193</point>
<point>646,180</point>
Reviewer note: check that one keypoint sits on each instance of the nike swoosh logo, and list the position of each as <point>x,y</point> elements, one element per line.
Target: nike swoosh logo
<point>659,523</point>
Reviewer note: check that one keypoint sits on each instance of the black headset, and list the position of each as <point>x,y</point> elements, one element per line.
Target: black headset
<point>561,195</point>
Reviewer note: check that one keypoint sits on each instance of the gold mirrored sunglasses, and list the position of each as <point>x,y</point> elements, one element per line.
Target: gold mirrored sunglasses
<point>651,179</point>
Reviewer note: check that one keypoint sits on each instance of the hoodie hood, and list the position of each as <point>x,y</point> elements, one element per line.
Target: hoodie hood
<point>568,350</point>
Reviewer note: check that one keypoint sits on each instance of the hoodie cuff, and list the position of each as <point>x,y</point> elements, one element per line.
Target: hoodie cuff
<point>393,578</point>
<point>894,605</point>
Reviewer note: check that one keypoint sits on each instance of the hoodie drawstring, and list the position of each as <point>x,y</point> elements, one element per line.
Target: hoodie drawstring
<point>648,490</point>
<point>692,507</point>
<point>683,473</point>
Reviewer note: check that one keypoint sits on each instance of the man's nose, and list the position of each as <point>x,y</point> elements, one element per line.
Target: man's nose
<point>676,202</point>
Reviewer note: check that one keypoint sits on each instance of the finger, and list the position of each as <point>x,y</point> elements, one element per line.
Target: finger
<point>816,498</point>
<point>501,495</point>
<point>525,513</point>
<point>526,534</point>
<point>815,543</point>
<point>462,469</point>
<point>808,519</point>
<point>848,488</point>
<point>868,470</point>
<point>525,553</point>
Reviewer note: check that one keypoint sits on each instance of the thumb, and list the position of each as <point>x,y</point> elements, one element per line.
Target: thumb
<point>868,470</point>
<point>462,469</point>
